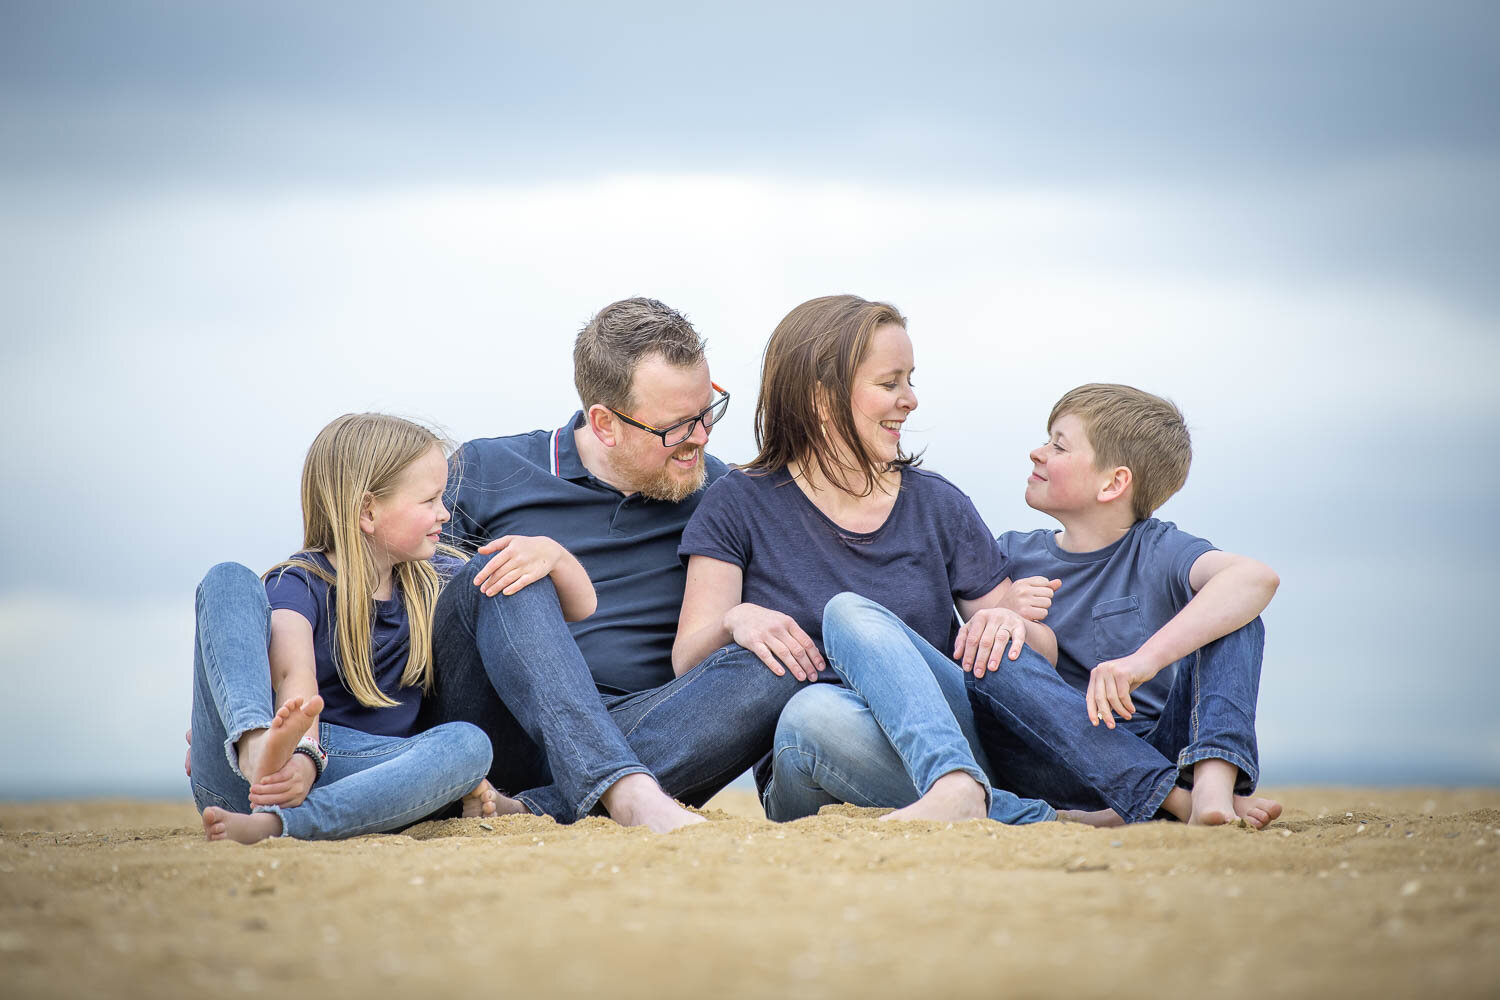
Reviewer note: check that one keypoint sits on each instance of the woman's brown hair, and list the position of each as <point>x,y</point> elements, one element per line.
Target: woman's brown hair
<point>811,357</point>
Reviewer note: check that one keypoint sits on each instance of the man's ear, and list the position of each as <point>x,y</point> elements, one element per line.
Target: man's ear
<point>604,425</point>
<point>367,514</point>
<point>1117,486</point>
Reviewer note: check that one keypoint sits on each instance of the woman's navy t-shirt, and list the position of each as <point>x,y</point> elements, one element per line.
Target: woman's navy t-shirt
<point>932,549</point>
<point>295,589</point>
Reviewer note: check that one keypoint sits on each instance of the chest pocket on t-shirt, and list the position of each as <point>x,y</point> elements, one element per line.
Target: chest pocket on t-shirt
<point>1118,628</point>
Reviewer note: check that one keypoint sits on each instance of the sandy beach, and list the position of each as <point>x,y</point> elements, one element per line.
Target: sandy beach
<point>1355,892</point>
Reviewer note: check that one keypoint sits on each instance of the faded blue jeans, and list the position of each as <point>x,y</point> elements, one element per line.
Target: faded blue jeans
<point>509,665</point>
<point>903,721</point>
<point>371,784</point>
<point>1036,728</point>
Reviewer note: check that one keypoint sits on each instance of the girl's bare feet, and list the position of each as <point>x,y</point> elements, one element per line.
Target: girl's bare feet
<point>265,751</point>
<point>484,800</point>
<point>221,824</point>
<point>955,796</point>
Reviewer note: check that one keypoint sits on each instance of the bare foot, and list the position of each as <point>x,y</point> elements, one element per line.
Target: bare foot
<point>1099,817</point>
<point>266,751</point>
<point>637,800</point>
<point>221,824</point>
<point>1257,812</point>
<point>955,796</point>
<point>1213,793</point>
<point>485,800</point>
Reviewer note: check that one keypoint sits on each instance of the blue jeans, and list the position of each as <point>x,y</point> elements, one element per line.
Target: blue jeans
<point>371,784</point>
<point>509,665</point>
<point>903,722</point>
<point>1045,745</point>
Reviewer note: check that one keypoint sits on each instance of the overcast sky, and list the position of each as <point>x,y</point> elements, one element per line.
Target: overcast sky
<point>226,224</point>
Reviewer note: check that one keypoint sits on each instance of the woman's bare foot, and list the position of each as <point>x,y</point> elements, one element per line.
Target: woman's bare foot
<point>637,800</point>
<point>1258,812</point>
<point>485,800</point>
<point>955,796</point>
<point>1098,817</point>
<point>221,824</point>
<point>266,751</point>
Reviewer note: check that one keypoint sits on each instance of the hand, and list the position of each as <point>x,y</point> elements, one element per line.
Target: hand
<point>187,759</point>
<point>1030,598</point>
<point>776,638</point>
<point>1110,684</point>
<point>981,641</point>
<point>288,786</point>
<point>520,561</point>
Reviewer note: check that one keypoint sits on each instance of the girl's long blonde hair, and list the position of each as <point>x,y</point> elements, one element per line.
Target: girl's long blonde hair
<point>353,461</point>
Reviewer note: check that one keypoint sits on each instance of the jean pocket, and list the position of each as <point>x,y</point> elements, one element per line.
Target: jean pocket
<point>204,797</point>
<point>1119,629</point>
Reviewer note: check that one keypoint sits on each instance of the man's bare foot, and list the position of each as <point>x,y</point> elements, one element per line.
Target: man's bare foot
<point>637,800</point>
<point>221,824</point>
<point>955,796</point>
<point>1257,812</point>
<point>266,751</point>
<point>1098,817</point>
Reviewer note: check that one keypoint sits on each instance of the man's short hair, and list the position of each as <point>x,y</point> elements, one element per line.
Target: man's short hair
<point>1127,426</point>
<point>618,338</point>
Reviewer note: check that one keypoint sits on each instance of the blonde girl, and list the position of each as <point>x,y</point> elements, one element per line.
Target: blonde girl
<point>340,636</point>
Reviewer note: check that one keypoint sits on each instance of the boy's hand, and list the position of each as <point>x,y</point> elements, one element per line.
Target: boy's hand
<point>288,786</point>
<point>1030,598</point>
<point>982,639</point>
<point>1110,684</point>
<point>520,561</point>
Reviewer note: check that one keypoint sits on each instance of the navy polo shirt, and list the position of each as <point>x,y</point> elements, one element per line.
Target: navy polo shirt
<point>535,484</point>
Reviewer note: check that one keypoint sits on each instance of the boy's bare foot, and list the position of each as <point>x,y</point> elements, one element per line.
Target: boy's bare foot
<point>266,751</point>
<point>637,800</point>
<point>221,824</point>
<point>485,800</point>
<point>1213,793</point>
<point>953,797</point>
<point>1258,812</point>
<point>1098,817</point>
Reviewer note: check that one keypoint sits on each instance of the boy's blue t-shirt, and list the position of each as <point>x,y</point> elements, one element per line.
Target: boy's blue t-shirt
<point>932,549</point>
<point>1112,599</point>
<point>295,589</point>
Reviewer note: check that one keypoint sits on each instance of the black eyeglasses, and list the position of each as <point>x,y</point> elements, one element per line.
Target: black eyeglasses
<point>679,432</point>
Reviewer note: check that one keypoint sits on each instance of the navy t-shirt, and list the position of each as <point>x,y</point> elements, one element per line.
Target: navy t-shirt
<point>1112,599</point>
<point>535,484</point>
<point>932,549</point>
<point>295,589</point>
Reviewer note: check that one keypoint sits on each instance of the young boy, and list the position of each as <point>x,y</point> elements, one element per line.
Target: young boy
<point>1158,629</point>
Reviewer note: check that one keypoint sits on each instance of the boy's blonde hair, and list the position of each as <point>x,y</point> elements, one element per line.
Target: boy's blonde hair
<point>1127,426</point>
<point>353,461</point>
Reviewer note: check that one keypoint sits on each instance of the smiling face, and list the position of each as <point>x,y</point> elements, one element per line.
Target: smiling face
<point>663,394</point>
<point>1063,477</point>
<point>404,525</point>
<point>882,396</point>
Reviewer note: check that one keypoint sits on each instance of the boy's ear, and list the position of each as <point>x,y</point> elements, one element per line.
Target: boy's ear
<point>604,425</point>
<point>367,514</point>
<point>1117,485</point>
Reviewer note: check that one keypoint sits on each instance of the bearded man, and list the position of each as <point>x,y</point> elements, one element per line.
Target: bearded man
<point>589,714</point>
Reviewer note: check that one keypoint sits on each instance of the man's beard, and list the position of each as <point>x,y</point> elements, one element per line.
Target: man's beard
<point>663,484</point>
